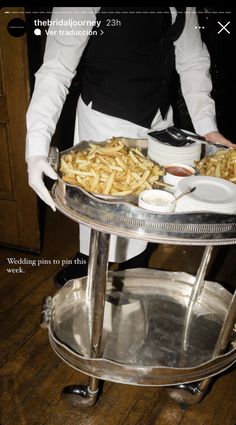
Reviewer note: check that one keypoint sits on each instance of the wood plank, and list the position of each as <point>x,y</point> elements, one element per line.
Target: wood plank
<point>119,404</point>
<point>3,108</point>
<point>170,414</point>
<point>226,412</point>
<point>125,405</point>
<point>146,406</point>
<point>1,85</point>
<point>36,374</point>
<point>25,318</point>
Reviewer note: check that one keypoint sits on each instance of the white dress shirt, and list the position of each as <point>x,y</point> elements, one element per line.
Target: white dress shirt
<point>62,56</point>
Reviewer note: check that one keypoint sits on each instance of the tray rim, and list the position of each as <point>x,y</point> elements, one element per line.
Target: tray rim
<point>77,214</point>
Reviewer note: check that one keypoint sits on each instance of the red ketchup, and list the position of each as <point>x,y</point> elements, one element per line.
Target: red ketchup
<point>179,171</point>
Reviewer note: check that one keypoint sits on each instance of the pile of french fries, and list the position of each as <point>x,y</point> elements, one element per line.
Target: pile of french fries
<point>110,169</point>
<point>222,164</point>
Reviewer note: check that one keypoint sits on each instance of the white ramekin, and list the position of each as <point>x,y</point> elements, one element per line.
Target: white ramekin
<point>148,199</point>
<point>171,178</point>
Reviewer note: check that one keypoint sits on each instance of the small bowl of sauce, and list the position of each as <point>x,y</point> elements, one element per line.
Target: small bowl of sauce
<point>158,201</point>
<point>177,171</point>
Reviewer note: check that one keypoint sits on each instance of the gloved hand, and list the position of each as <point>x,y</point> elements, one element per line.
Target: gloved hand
<point>215,136</point>
<point>37,167</point>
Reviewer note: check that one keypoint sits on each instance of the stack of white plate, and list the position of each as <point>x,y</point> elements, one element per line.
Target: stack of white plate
<point>212,194</point>
<point>164,154</point>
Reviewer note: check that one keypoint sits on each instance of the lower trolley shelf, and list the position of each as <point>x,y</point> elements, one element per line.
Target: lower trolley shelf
<point>146,339</point>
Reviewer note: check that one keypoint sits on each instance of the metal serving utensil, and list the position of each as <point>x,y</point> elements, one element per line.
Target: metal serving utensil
<point>165,137</point>
<point>186,192</point>
<point>180,135</point>
<point>175,137</point>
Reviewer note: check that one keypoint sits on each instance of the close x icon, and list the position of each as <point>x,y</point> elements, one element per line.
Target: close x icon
<point>223,27</point>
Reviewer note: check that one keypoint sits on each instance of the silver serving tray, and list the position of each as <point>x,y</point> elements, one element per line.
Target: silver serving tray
<point>144,328</point>
<point>55,155</point>
<point>120,216</point>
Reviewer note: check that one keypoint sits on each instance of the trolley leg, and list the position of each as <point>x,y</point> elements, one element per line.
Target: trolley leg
<point>81,395</point>
<point>187,394</point>
<point>196,291</point>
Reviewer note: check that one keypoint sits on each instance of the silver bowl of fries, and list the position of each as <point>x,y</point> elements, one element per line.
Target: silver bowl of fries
<point>115,170</point>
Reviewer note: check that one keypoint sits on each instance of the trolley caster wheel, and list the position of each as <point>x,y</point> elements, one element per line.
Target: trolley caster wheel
<point>79,396</point>
<point>186,394</point>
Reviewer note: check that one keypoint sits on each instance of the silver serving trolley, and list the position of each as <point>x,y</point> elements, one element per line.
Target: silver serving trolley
<point>143,327</point>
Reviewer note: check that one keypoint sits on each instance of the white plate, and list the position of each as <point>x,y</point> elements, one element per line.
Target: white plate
<point>209,190</point>
<point>176,153</point>
<point>168,148</point>
<point>162,160</point>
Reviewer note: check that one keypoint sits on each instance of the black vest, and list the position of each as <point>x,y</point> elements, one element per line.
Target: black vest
<point>127,69</point>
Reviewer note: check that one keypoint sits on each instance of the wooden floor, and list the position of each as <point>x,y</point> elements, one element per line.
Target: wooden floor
<point>32,375</point>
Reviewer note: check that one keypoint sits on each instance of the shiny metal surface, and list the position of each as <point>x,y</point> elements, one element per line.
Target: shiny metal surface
<point>95,296</point>
<point>124,219</point>
<point>186,394</point>
<point>46,309</point>
<point>224,337</point>
<point>196,291</point>
<point>143,329</point>
<point>96,288</point>
<point>226,330</point>
<point>185,137</point>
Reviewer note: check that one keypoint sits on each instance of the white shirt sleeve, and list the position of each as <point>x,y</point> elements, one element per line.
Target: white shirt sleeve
<point>193,66</point>
<point>64,48</point>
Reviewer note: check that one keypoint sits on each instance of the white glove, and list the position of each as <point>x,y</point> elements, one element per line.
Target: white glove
<point>37,167</point>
